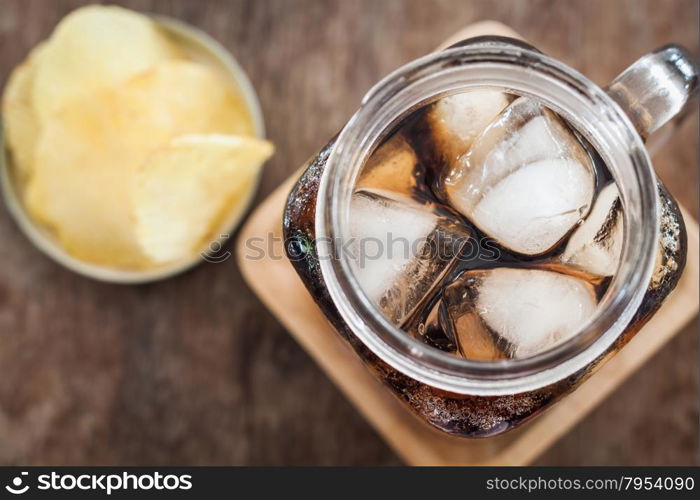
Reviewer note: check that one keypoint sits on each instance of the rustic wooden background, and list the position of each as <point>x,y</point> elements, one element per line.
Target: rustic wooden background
<point>194,370</point>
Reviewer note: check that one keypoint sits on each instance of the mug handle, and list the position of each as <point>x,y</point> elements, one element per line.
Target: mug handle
<point>656,90</point>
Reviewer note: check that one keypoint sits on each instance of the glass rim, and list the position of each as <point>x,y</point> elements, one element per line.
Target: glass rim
<point>590,110</point>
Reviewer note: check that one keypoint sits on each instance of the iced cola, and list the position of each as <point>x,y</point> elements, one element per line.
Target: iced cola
<point>486,227</point>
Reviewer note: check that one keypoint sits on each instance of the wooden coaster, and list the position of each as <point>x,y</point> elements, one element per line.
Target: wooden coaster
<point>276,283</point>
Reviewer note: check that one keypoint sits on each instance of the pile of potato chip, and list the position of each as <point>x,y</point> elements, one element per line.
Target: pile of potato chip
<point>130,153</point>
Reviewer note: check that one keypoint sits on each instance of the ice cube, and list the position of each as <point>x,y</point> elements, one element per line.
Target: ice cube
<point>596,245</point>
<point>532,209</point>
<point>526,181</point>
<point>400,249</point>
<point>515,313</point>
<point>394,167</point>
<point>455,121</point>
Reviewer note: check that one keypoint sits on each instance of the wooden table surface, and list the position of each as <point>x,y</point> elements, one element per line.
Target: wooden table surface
<point>193,370</point>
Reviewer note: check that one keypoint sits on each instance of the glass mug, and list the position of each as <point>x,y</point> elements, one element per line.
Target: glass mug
<point>465,397</point>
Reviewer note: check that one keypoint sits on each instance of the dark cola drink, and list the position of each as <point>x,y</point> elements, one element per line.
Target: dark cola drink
<point>487,228</point>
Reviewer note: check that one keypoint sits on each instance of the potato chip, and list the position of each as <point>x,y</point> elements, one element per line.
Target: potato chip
<point>90,149</point>
<point>184,192</point>
<point>19,120</point>
<point>92,48</point>
<point>87,210</point>
<point>176,98</point>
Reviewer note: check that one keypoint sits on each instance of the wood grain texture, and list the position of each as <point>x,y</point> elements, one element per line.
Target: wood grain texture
<point>194,370</point>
